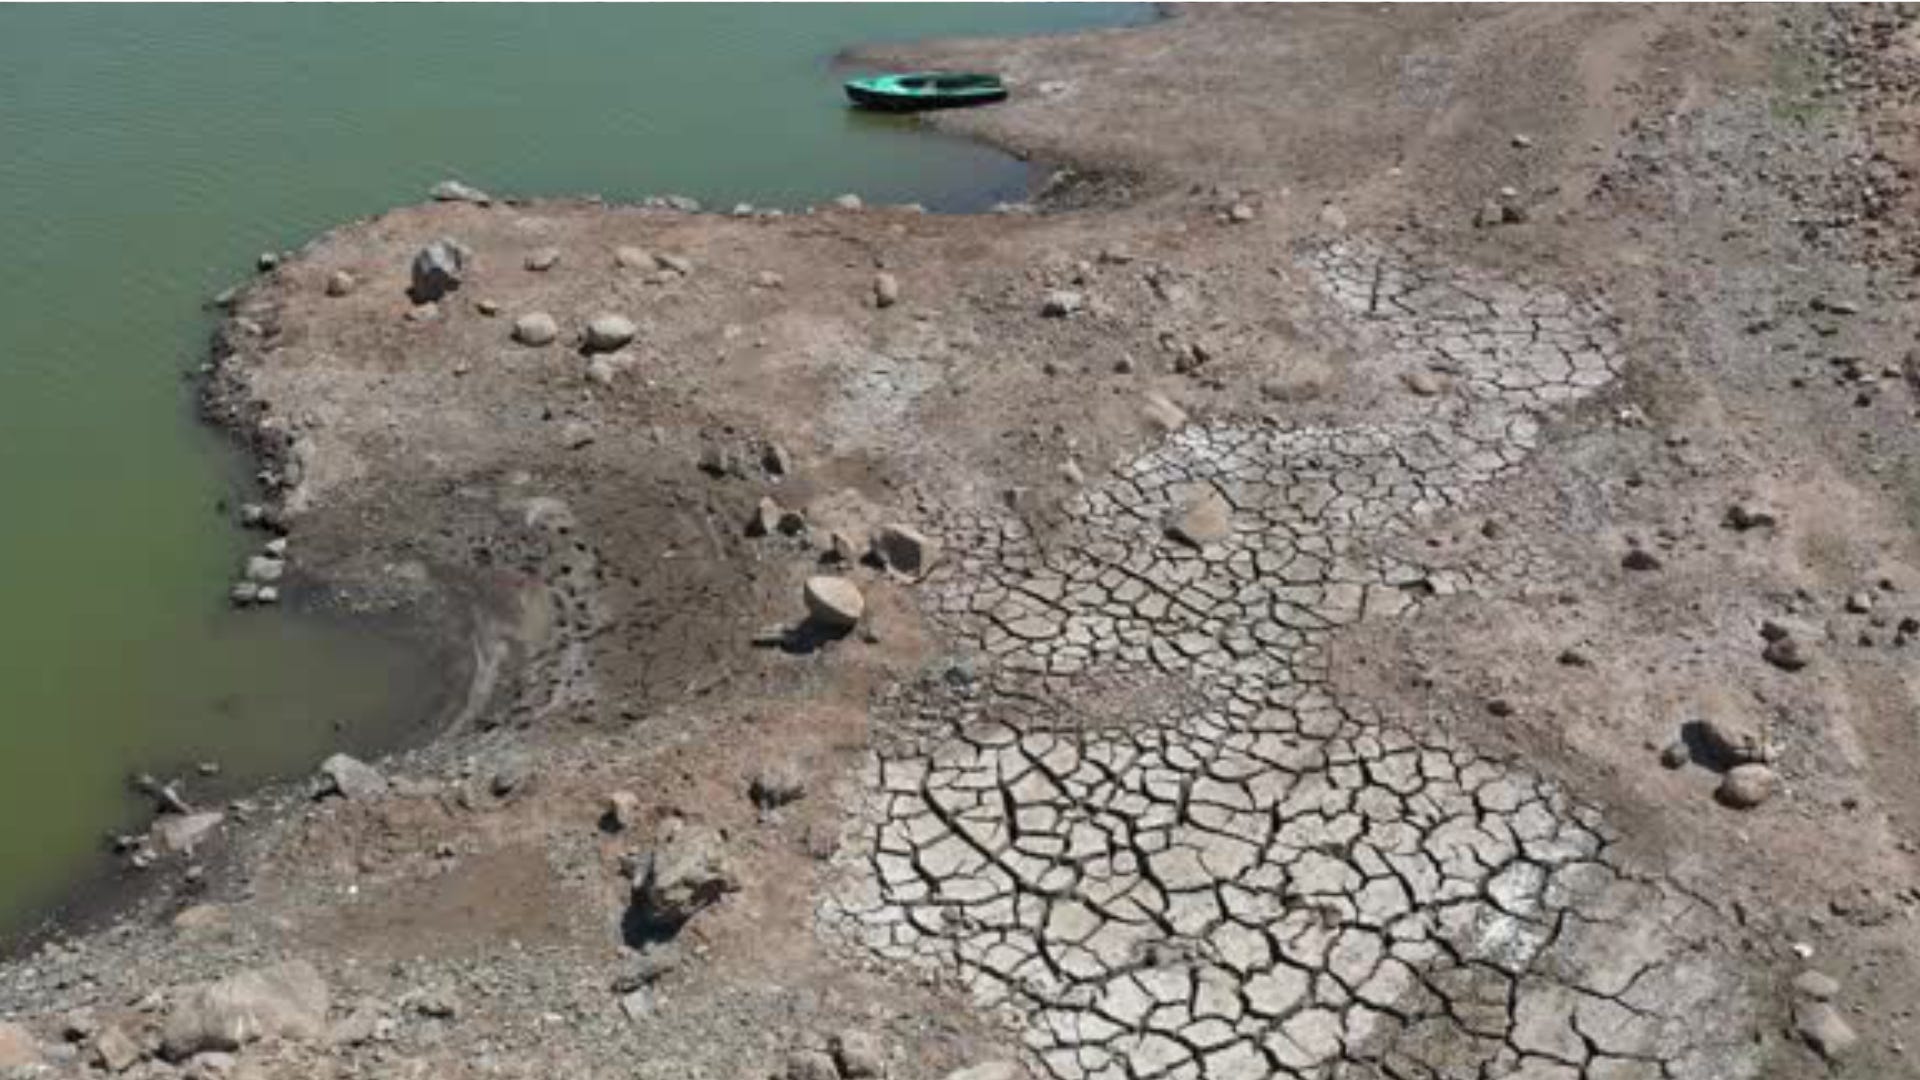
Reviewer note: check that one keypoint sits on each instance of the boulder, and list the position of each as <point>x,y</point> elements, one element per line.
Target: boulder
<point>351,778</point>
<point>858,1056</point>
<point>181,833</point>
<point>438,269</point>
<point>18,1050</point>
<point>1747,786</point>
<point>905,549</point>
<point>834,602</point>
<point>683,876</point>
<point>608,332</point>
<point>455,191</point>
<point>1205,519</point>
<point>285,1001</point>
<point>535,328</point>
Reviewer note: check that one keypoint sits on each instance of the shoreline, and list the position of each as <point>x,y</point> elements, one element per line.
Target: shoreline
<point>1026,399</point>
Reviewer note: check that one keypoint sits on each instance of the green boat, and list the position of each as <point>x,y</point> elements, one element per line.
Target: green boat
<point>918,90</point>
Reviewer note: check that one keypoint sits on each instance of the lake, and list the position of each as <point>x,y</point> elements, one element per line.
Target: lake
<point>149,153</point>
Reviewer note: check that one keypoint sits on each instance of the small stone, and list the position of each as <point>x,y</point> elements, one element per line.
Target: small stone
<point>351,778</point>
<point>1333,217</point>
<point>438,269</point>
<point>1205,519</point>
<point>767,279</point>
<point>115,1050</point>
<point>904,549</point>
<point>576,434</point>
<point>766,517</point>
<point>848,201</point>
<point>1240,213</point>
<point>1747,786</point>
<point>487,307</point>
<point>810,1065</point>
<point>243,593</point>
<point>637,1004</point>
<point>600,371</point>
<point>340,283</point>
<point>683,875</point>
<point>834,602</point>
<point>1675,755</point>
<point>1729,743</point>
<point>264,570</point>
<point>1423,383</point>
<point>1070,472</point>
<point>535,328</point>
<point>674,264</point>
<point>1640,559</point>
<point>455,191</point>
<point>777,460</point>
<point>1743,516</point>
<point>886,290</point>
<point>858,1056</point>
<point>1061,303</point>
<point>543,259</point>
<point>276,547</point>
<point>1860,603</point>
<point>1816,986</point>
<point>266,594</point>
<point>1500,707</point>
<point>1522,142</point>
<point>608,332</point>
<point>623,810</point>
<point>179,834</point>
<point>1162,414</point>
<point>1824,1029</point>
<point>1784,653</point>
<point>267,261</point>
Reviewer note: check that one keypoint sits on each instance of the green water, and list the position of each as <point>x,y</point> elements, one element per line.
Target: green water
<point>148,153</point>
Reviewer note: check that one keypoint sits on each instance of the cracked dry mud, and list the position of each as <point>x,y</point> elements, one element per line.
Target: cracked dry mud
<point>1147,824</point>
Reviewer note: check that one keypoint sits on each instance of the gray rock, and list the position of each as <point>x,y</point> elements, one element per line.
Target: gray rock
<point>683,876</point>
<point>1860,603</point>
<point>268,260</point>
<point>858,1056</point>
<point>767,279</point>
<point>1785,653</point>
<point>1675,755</point>
<point>886,290</point>
<point>535,328</point>
<point>115,1050</point>
<point>834,602</point>
<point>1240,213</point>
<point>623,810</point>
<point>776,785</point>
<point>285,1001</point>
<point>340,283</point>
<point>1747,786</point>
<point>1816,986</point>
<point>1423,383</point>
<point>810,1065</point>
<point>1742,516</point>
<point>543,259</point>
<point>1732,742</point>
<point>455,191</point>
<point>1205,519</point>
<point>632,258</point>
<point>848,201</point>
<point>243,593</point>
<point>1640,559</point>
<point>1162,414</point>
<point>1061,303</point>
<point>608,332</point>
<point>987,1070</point>
<point>905,549</point>
<point>675,264</point>
<point>438,269</point>
<point>181,833</point>
<point>264,569</point>
<point>351,778</point>
<point>601,371</point>
<point>576,434</point>
<point>637,1004</point>
<point>1824,1029</point>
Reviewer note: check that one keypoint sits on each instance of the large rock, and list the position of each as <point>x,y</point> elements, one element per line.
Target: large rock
<point>18,1050</point>
<point>351,778</point>
<point>535,328</point>
<point>834,602</point>
<point>181,833</point>
<point>438,269</point>
<point>285,1001</point>
<point>905,549</point>
<point>1202,520</point>
<point>607,333</point>
<point>683,876</point>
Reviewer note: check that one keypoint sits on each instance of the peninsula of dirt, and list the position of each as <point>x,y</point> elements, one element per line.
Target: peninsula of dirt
<point>1399,563</point>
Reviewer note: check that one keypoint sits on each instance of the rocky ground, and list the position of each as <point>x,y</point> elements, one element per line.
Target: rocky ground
<point>1399,563</point>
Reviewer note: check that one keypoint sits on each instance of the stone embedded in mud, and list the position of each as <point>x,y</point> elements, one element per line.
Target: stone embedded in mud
<point>1747,786</point>
<point>632,258</point>
<point>438,269</point>
<point>685,874</point>
<point>906,550</point>
<point>285,1001</point>
<point>609,332</point>
<point>834,602</point>
<point>535,328</point>
<point>351,778</point>
<point>1824,1029</point>
<point>1205,519</point>
<point>1731,742</point>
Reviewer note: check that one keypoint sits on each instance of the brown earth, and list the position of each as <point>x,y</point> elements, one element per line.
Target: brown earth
<point>1478,321</point>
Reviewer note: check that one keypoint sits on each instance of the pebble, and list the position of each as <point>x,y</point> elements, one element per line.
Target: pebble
<point>1675,755</point>
<point>1785,653</point>
<point>1061,303</point>
<point>267,261</point>
<point>632,258</point>
<point>834,602</point>
<point>767,279</point>
<point>623,810</point>
<point>849,201</point>
<point>1747,786</point>
<point>263,570</point>
<point>1860,603</point>
<point>608,332</point>
<point>1423,383</point>
<point>1743,516</point>
<point>535,328</point>
<point>543,259</point>
<point>1731,743</point>
<point>886,290</point>
<point>340,283</point>
<point>1240,214</point>
<point>487,307</point>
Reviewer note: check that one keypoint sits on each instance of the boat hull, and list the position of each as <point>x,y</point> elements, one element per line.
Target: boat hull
<point>884,101</point>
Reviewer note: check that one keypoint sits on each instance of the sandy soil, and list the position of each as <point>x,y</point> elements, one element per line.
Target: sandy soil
<point>1419,581</point>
